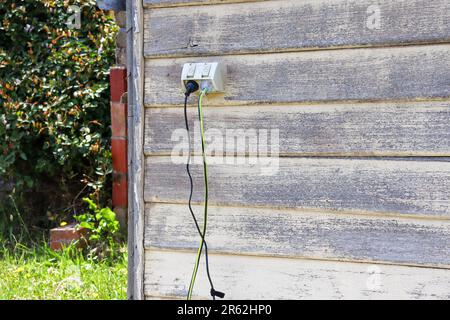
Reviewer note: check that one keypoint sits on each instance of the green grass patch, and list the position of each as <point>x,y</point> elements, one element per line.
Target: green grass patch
<point>39,273</point>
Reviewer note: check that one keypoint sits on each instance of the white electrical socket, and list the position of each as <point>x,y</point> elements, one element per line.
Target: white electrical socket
<point>209,75</point>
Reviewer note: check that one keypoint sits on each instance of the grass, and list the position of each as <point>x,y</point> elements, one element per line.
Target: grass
<point>39,273</point>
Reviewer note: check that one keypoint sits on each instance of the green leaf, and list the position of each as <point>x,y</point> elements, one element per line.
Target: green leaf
<point>87,225</point>
<point>108,214</point>
<point>92,205</point>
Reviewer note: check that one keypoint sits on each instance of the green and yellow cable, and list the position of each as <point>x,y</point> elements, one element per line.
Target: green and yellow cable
<point>205,170</point>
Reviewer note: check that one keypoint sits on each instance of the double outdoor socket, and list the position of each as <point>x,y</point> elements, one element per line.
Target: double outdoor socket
<point>209,75</point>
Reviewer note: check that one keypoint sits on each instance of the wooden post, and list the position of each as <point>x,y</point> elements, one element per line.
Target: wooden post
<point>135,63</point>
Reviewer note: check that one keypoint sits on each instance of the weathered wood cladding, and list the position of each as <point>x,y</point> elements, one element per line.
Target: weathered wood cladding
<point>362,187</point>
<point>244,277</point>
<point>352,185</point>
<point>413,73</point>
<point>176,3</point>
<point>376,129</point>
<point>291,233</point>
<point>275,26</point>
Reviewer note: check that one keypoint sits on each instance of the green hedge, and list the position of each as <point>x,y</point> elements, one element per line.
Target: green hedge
<point>54,102</point>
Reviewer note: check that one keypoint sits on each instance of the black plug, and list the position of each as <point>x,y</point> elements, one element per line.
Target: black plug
<point>217,294</point>
<point>191,87</point>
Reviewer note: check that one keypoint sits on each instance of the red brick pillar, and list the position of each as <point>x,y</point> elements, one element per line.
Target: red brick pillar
<point>118,81</point>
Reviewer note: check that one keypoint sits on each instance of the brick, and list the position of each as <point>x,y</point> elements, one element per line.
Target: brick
<point>119,154</point>
<point>118,82</point>
<point>66,235</point>
<point>119,119</point>
<point>120,190</point>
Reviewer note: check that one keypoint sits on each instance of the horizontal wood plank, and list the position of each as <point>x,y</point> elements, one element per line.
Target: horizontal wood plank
<point>403,129</point>
<point>168,274</point>
<point>287,25</point>
<point>314,235</point>
<point>415,72</point>
<point>183,3</point>
<point>351,185</point>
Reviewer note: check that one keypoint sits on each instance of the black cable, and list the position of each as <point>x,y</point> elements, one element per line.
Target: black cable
<point>213,292</point>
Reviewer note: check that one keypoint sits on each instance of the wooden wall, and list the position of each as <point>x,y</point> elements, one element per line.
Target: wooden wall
<point>360,204</point>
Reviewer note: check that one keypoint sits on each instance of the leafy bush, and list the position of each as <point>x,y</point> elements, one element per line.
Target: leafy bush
<point>101,223</point>
<point>102,227</point>
<point>54,103</point>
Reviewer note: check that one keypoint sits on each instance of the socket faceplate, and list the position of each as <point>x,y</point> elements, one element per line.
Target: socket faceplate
<point>206,74</point>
